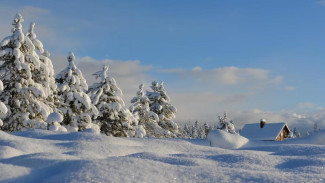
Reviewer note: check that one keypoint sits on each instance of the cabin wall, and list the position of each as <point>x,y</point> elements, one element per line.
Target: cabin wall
<point>283,134</point>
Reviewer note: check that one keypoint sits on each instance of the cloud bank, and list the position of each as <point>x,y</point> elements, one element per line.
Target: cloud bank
<point>202,105</point>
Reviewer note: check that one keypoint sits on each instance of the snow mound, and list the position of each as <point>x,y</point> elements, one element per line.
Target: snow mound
<point>54,117</point>
<point>9,171</point>
<point>93,128</point>
<point>56,127</point>
<point>219,138</point>
<point>8,152</point>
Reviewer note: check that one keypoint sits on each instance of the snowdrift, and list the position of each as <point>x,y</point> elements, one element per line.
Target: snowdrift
<point>51,157</point>
<point>317,138</point>
<point>219,138</point>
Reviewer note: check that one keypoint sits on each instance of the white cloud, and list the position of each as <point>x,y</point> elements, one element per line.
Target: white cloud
<point>289,88</point>
<point>49,27</point>
<point>228,75</point>
<point>306,105</point>
<point>207,59</point>
<point>322,2</point>
<point>29,14</point>
<point>197,68</point>
<point>205,106</point>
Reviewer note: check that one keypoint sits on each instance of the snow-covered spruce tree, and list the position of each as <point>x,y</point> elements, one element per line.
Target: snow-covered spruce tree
<point>160,104</point>
<point>194,132</point>
<point>75,103</point>
<point>201,132</point>
<point>296,133</point>
<point>44,74</point>
<point>114,118</point>
<point>206,128</point>
<point>225,125</point>
<point>186,131</point>
<point>3,107</point>
<point>316,128</point>
<point>146,118</point>
<point>25,98</point>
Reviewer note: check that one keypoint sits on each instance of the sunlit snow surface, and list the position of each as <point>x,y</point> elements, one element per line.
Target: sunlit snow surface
<point>45,156</point>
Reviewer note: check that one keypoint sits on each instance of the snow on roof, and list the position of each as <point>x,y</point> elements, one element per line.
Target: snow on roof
<point>270,131</point>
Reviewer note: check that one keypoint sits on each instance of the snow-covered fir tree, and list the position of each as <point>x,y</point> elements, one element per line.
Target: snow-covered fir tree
<point>25,97</point>
<point>296,133</point>
<point>160,104</point>
<point>226,125</point>
<point>194,131</point>
<point>206,128</point>
<point>316,128</point>
<point>114,118</point>
<point>44,74</point>
<point>201,133</point>
<point>146,118</point>
<point>186,131</point>
<point>76,105</point>
<point>3,107</point>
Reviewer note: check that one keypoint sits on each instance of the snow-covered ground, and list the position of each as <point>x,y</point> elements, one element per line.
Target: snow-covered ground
<point>45,156</point>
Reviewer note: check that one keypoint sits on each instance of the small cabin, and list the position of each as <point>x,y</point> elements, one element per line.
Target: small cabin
<point>265,131</point>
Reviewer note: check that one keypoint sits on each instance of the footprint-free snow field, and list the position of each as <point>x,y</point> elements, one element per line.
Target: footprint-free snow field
<point>45,156</point>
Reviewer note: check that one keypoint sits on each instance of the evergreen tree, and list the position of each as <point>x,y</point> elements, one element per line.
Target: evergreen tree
<point>201,133</point>
<point>206,128</point>
<point>24,97</point>
<point>75,103</point>
<point>113,117</point>
<point>316,129</point>
<point>3,107</point>
<point>146,118</point>
<point>225,125</point>
<point>160,104</point>
<point>194,133</point>
<point>186,131</point>
<point>44,74</point>
<point>296,133</point>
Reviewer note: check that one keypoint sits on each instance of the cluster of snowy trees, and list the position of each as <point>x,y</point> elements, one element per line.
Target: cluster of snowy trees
<point>154,111</point>
<point>196,131</point>
<point>295,133</point>
<point>32,97</point>
<point>200,131</point>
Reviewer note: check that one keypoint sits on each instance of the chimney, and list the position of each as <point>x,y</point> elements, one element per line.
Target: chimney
<point>262,123</point>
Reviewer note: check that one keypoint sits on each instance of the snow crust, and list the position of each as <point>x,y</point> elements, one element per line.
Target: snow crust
<point>45,156</point>
<point>223,139</point>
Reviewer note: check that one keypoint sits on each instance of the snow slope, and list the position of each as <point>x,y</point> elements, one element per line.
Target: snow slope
<point>46,156</point>
<point>223,139</point>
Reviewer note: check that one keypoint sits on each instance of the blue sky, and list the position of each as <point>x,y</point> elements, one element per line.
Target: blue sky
<point>281,42</point>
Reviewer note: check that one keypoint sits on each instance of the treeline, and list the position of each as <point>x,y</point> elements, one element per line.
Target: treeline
<point>200,130</point>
